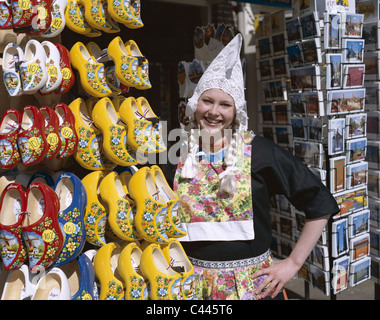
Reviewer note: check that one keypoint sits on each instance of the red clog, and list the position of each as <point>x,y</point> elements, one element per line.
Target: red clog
<point>23,13</point>
<point>40,229</point>
<point>12,207</point>
<point>6,20</point>
<point>51,132</point>
<point>31,137</point>
<point>42,20</point>
<point>68,77</point>
<point>9,125</point>
<point>67,133</point>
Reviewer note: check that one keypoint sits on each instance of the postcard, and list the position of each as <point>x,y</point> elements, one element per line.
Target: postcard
<point>336,135</point>
<point>358,223</point>
<point>267,113</point>
<point>311,50</point>
<point>321,174</point>
<point>371,62</point>
<point>297,103</point>
<point>278,43</point>
<point>373,125</point>
<point>268,133</point>
<point>339,238</point>
<point>359,247</point>
<point>332,27</point>
<point>293,30</point>
<point>315,129</point>
<point>373,154</point>
<point>340,272</point>
<point>334,71</point>
<point>350,201</point>
<point>295,55</point>
<point>313,101</point>
<point>305,78</point>
<point>282,113</point>
<point>300,7</point>
<point>283,135</point>
<point>274,90</point>
<point>310,25</point>
<point>372,97</point>
<point>371,35</point>
<point>374,238</point>
<point>264,47</point>
<point>310,153</point>
<point>287,227</point>
<point>374,208</point>
<point>320,279</point>
<point>360,271</point>
<point>280,67</point>
<point>265,71</point>
<point>356,125</point>
<point>344,101</point>
<point>320,257</point>
<point>370,9</point>
<point>299,127</point>
<point>337,174</point>
<point>356,150</point>
<point>353,76</point>
<point>374,183</point>
<point>352,25</point>
<point>353,50</point>
<point>357,174</point>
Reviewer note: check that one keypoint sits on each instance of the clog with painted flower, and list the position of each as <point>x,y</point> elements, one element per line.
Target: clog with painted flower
<point>68,77</point>
<point>137,22</point>
<point>136,286</point>
<point>114,133</point>
<point>58,21</point>
<point>122,12</point>
<point>53,68</point>
<point>33,68</point>
<point>74,17</point>
<point>165,283</point>
<point>143,65</point>
<point>67,133</point>
<point>150,212</point>
<point>107,271</point>
<point>81,277</point>
<point>96,214</point>
<point>41,20</point>
<point>96,15</point>
<point>31,137</point>
<point>166,195</point>
<point>23,12</point>
<point>121,214</point>
<point>40,228</point>
<point>91,72</point>
<point>12,58</point>
<point>175,256</point>
<point>51,132</point>
<point>88,151</point>
<point>102,57</point>
<point>6,20</point>
<point>9,126</point>
<point>12,208</point>
<point>73,201</point>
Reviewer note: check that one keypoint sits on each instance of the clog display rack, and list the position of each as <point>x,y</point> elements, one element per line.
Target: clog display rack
<point>105,228</point>
<point>313,69</point>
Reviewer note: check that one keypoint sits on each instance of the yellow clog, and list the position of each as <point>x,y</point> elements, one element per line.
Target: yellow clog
<point>139,128</point>
<point>143,67</point>
<point>173,224</point>
<point>121,208</point>
<point>88,152</point>
<point>114,133</point>
<point>150,212</point>
<point>178,260</point>
<point>123,12</point>
<point>165,283</point>
<point>106,263</point>
<point>91,72</point>
<point>74,18</point>
<point>95,13</point>
<point>136,11</point>
<point>95,218</point>
<point>136,285</point>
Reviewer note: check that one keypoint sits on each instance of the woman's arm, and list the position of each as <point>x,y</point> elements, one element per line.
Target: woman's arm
<point>284,270</point>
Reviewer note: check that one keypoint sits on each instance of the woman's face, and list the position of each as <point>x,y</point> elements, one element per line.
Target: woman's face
<point>215,111</point>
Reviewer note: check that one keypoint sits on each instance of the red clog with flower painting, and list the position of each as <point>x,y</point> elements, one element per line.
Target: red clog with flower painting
<point>51,132</point>
<point>9,125</point>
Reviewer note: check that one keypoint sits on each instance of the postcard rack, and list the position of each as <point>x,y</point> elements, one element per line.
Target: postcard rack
<point>314,103</point>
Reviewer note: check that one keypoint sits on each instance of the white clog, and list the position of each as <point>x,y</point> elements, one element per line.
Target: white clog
<point>54,285</point>
<point>19,284</point>
<point>12,57</point>
<point>53,68</point>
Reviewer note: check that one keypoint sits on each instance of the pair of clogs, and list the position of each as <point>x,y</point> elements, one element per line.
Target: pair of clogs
<point>36,69</point>
<point>127,12</point>
<point>29,226</point>
<point>144,127</point>
<point>169,272</point>
<point>131,66</point>
<point>119,273</point>
<point>156,206</point>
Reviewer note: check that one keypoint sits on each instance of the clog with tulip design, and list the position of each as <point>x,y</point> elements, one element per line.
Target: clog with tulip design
<point>9,126</point>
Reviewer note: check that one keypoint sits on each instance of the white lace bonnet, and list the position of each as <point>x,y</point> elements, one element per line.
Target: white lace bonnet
<point>225,73</point>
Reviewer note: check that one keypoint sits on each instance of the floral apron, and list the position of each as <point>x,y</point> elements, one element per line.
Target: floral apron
<point>209,215</point>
